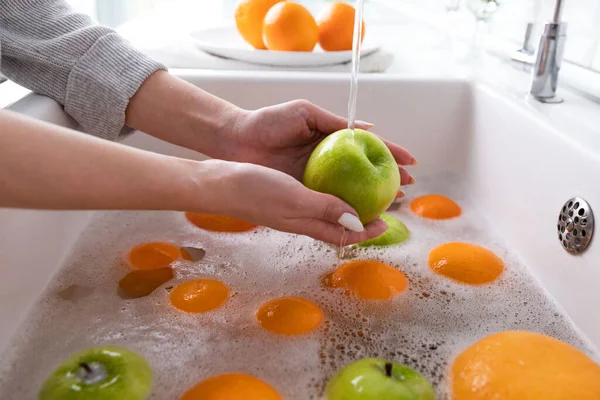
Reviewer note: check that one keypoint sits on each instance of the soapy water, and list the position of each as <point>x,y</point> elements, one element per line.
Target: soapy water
<point>424,328</point>
<point>342,247</point>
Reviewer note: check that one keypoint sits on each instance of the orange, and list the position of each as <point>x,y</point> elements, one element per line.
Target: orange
<point>372,280</point>
<point>194,254</point>
<point>186,255</point>
<point>231,387</point>
<point>249,16</point>
<point>517,365</point>
<point>142,283</point>
<point>435,206</point>
<point>219,223</point>
<point>199,295</point>
<point>290,26</point>
<point>466,263</point>
<point>289,316</point>
<point>336,27</point>
<point>153,255</point>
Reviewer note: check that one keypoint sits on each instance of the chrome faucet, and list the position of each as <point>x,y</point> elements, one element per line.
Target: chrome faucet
<point>549,59</point>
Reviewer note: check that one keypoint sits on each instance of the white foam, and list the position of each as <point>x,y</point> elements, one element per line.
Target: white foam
<point>423,328</point>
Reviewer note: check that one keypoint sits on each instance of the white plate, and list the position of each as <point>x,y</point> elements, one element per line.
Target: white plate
<point>227,42</point>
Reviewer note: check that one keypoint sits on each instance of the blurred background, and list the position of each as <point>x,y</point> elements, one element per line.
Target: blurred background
<point>506,19</point>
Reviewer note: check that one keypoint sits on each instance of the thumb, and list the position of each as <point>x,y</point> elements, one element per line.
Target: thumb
<point>328,214</point>
<point>332,209</point>
<point>327,122</point>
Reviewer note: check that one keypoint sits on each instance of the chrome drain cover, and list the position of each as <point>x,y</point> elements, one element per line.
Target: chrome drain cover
<point>575,225</point>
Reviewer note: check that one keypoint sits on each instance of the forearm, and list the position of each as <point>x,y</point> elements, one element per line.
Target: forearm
<point>105,84</point>
<point>178,112</point>
<point>46,167</point>
<point>88,68</point>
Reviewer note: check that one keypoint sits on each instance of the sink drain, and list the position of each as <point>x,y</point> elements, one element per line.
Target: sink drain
<point>575,225</point>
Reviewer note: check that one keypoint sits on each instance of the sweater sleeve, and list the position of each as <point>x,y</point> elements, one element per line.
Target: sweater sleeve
<point>88,68</point>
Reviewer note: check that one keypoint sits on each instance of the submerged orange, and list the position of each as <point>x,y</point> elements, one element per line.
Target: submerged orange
<point>143,282</point>
<point>232,387</point>
<point>466,263</point>
<point>516,365</point>
<point>219,223</point>
<point>371,280</point>
<point>153,255</point>
<point>199,295</point>
<point>289,316</point>
<point>435,206</point>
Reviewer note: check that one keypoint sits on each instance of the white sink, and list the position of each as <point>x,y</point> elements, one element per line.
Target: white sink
<point>517,168</point>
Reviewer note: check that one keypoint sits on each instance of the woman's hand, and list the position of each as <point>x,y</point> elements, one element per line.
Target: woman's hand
<point>283,137</point>
<point>274,199</point>
<point>47,167</point>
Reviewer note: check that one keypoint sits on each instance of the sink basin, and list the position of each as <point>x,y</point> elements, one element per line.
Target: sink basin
<point>516,167</point>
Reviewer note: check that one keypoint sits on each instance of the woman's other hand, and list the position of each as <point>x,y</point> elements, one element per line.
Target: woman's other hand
<point>283,137</point>
<point>274,199</point>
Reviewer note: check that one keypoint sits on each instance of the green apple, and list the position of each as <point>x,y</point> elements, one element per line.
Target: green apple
<point>99,373</point>
<point>396,233</point>
<point>359,170</point>
<point>377,379</point>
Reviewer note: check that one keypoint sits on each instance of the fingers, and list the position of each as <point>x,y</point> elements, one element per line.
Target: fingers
<point>325,121</point>
<point>351,222</point>
<point>322,120</point>
<point>329,216</point>
<point>405,177</point>
<point>325,217</point>
<point>363,125</point>
<point>335,211</point>
<point>401,155</point>
<point>372,230</point>
<point>333,233</point>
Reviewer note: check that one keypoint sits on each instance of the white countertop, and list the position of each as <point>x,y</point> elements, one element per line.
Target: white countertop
<point>419,50</point>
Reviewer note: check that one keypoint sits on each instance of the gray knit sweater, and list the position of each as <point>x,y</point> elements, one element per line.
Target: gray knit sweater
<point>89,69</point>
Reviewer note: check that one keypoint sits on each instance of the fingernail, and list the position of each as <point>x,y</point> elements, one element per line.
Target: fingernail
<point>411,180</point>
<point>351,221</point>
<point>400,194</point>
<point>413,161</point>
<point>367,125</point>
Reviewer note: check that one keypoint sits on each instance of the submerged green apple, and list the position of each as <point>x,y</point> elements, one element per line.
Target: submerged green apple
<point>396,233</point>
<point>377,379</point>
<point>99,373</point>
<point>360,170</point>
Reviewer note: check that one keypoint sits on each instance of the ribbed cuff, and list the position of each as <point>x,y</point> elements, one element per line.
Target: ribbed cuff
<point>103,81</point>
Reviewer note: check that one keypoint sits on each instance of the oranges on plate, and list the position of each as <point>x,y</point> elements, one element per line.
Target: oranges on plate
<point>249,17</point>
<point>336,27</point>
<point>289,26</point>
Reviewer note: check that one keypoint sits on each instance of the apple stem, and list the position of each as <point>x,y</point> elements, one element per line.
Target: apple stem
<point>87,368</point>
<point>388,369</point>
<point>91,373</point>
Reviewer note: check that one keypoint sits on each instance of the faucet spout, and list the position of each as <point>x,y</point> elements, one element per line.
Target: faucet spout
<point>549,59</point>
<point>557,11</point>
